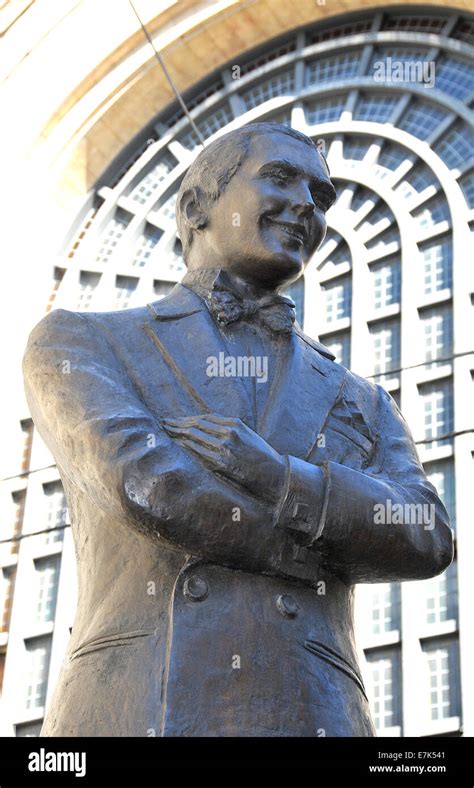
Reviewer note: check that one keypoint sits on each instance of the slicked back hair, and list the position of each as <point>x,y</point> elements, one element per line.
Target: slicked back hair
<point>217,164</point>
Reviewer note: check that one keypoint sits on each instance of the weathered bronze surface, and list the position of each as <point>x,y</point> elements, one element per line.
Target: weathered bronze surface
<point>225,477</point>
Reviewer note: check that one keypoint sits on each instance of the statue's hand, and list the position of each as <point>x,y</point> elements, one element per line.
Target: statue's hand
<point>232,449</point>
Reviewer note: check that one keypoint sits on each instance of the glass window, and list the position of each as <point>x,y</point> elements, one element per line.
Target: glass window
<point>437,402</point>
<point>454,76</point>
<point>384,238</point>
<point>416,181</point>
<point>337,299</point>
<point>47,580</point>
<point>331,69</point>
<point>88,281</point>
<point>441,476</point>
<point>411,58</point>
<point>419,24</point>
<point>432,212</point>
<point>111,237</point>
<point>282,84</point>
<point>385,348</point>
<point>207,126</point>
<point>360,26</point>
<point>325,110</point>
<point>151,181</point>
<point>376,215</point>
<point>437,265</point>
<point>146,244</point>
<point>296,292</point>
<point>385,283</point>
<point>456,147</point>
<point>340,255</point>
<point>38,651</point>
<point>360,196</point>
<point>375,107</point>
<point>437,326</point>
<point>392,156</point>
<point>162,289</point>
<point>125,286</point>
<point>464,31</point>
<point>442,668</point>
<point>355,148</point>
<point>441,597</point>
<point>167,210</point>
<point>384,687</point>
<point>467,185</point>
<point>28,729</point>
<point>385,607</point>
<point>421,118</point>
<point>7,585</point>
<point>57,515</point>
<point>268,57</point>
<point>340,345</point>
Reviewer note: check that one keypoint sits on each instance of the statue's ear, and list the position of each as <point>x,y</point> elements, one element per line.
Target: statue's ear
<point>193,208</point>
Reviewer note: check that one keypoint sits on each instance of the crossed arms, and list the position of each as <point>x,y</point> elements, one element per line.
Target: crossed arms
<point>183,479</point>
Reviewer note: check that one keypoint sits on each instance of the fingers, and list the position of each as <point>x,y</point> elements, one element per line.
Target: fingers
<point>206,454</point>
<point>207,418</point>
<point>198,435</point>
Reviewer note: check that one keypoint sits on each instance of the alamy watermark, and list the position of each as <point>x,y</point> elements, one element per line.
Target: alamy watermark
<point>389,513</point>
<point>223,366</point>
<point>44,761</point>
<point>392,70</point>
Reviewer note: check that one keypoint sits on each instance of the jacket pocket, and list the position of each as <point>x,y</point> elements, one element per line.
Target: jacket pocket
<point>336,660</point>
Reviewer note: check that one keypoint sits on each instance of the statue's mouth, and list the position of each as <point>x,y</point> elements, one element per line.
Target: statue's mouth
<point>292,229</point>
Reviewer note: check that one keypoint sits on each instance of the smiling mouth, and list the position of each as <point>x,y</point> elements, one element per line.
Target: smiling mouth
<point>293,230</point>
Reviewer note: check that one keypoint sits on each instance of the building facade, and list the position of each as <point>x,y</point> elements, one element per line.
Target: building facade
<point>387,93</point>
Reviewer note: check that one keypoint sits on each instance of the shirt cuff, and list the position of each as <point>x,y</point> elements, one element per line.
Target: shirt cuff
<point>304,501</point>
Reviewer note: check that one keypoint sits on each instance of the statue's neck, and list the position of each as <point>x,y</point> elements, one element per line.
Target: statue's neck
<point>208,279</point>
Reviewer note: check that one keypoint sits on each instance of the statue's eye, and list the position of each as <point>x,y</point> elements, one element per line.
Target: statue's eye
<point>279,177</point>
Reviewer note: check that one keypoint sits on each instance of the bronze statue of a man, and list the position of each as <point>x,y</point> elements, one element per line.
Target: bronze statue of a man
<point>222,474</point>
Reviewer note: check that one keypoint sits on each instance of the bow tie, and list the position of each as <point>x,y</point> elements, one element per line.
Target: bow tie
<point>276,313</point>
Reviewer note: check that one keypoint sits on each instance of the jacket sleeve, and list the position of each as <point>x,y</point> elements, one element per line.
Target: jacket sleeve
<point>384,523</point>
<point>111,448</point>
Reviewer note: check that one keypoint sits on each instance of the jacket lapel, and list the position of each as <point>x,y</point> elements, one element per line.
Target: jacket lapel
<point>185,334</point>
<point>305,386</point>
<point>304,389</point>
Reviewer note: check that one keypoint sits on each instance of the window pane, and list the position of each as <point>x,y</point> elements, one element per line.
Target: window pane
<point>151,181</point>
<point>436,260</point>
<point>437,327</point>
<point>296,292</point>
<point>337,299</point>
<point>384,688</point>
<point>280,85</point>
<point>124,289</point>
<point>57,516</point>
<point>38,657</point>
<point>146,244</point>
<point>385,607</point>
<point>442,674</point>
<point>88,281</point>
<point>385,348</point>
<point>340,345</point>
<point>385,283</point>
<point>441,476</point>
<point>47,580</point>
<point>437,402</point>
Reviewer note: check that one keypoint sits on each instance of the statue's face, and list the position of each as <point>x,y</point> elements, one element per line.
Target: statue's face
<point>271,216</point>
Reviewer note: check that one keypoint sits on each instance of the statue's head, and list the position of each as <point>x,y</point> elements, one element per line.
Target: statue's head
<point>254,202</point>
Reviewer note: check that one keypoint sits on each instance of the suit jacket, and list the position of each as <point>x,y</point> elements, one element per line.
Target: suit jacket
<point>192,622</point>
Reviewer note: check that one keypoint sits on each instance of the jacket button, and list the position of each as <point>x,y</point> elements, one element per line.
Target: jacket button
<point>287,606</point>
<point>195,588</point>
